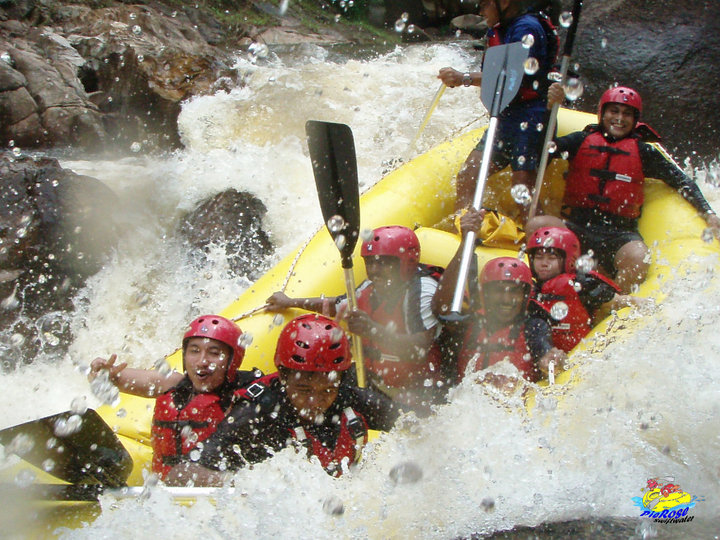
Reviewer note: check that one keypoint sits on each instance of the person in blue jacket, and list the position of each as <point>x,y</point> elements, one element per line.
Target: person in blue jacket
<point>521,124</point>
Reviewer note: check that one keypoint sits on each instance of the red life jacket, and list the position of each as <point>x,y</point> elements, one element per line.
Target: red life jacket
<point>570,330</point>
<point>606,176</point>
<point>484,350</point>
<point>350,442</point>
<point>176,432</point>
<point>395,371</point>
<point>527,92</point>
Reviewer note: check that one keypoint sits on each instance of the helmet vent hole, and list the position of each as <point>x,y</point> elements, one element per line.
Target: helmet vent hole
<point>302,344</point>
<point>297,358</point>
<point>335,345</point>
<point>339,360</point>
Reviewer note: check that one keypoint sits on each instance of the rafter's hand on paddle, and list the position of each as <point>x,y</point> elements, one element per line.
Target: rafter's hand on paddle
<point>556,94</point>
<point>452,78</point>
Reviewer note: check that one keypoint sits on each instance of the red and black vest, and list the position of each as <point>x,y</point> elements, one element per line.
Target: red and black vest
<point>177,432</point>
<point>393,370</point>
<point>571,329</point>
<point>350,441</point>
<point>481,350</point>
<point>606,176</point>
<point>528,89</point>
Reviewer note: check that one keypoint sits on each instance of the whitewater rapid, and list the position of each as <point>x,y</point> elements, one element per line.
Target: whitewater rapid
<point>644,408</point>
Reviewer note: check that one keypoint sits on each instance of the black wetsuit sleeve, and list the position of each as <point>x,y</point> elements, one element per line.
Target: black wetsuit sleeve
<point>379,410</point>
<point>594,292</point>
<point>225,448</point>
<point>655,165</point>
<point>538,336</point>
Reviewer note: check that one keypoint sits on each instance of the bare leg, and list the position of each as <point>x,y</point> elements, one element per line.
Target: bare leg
<point>467,180</point>
<point>632,262</point>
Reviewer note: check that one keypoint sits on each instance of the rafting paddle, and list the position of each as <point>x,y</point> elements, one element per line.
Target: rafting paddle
<point>332,152</point>
<point>73,447</point>
<point>503,70</point>
<point>552,121</point>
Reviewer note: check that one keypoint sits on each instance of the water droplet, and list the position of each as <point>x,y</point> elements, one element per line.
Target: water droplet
<point>16,151</point>
<point>407,472</point>
<point>603,43</point>
<point>121,413</point>
<point>577,286</point>
<point>405,16</point>
<point>559,311</point>
<point>257,51</point>
<point>336,334</point>
<point>573,88</point>
<point>136,30</point>
<point>278,320</point>
<point>566,19</point>
<point>282,9</point>
<point>20,445</point>
<point>552,147</point>
<point>140,58</point>
<point>707,235</point>
<point>245,340</point>
<point>528,41</point>
<point>48,465</point>
<point>411,29</point>
<point>5,57</point>
<point>185,432</point>
<point>337,18</point>
<point>64,427</point>
<point>195,455</point>
<point>521,160</point>
<point>521,194</point>
<point>523,126</point>
<point>531,65</point>
<point>539,127</point>
<point>135,147</point>
<point>340,241</point>
<point>554,76</point>
<point>133,16</point>
<point>17,339</point>
<point>24,478</point>
<point>565,154</point>
<point>79,405</point>
<point>488,504</point>
<point>585,263</point>
<point>333,506</point>
<point>336,224</point>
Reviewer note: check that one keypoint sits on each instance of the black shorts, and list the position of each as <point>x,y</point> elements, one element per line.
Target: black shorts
<point>604,233</point>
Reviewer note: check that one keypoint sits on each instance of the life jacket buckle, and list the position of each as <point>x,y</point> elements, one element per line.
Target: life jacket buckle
<point>255,390</point>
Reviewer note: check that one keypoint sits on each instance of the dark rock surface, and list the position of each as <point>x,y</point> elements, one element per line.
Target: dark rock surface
<point>232,219</point>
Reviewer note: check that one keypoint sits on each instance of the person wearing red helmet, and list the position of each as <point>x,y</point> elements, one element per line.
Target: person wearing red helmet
<point>394,317</point>
<point>520,132</point>
<point>604,185</point>
<point>570,294</point>
<point>189,406</point>
<point>303,404</point>
<point>502,325</point>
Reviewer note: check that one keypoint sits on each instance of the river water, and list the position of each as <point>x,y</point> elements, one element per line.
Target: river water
<point>644,408</point>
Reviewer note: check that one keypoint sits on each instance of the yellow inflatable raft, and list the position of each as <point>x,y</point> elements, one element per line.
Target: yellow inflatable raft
<point>419,195</point>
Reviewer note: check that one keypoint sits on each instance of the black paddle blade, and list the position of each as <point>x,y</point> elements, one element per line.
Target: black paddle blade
<point>332,151</point>
<point>503,70</point>
<point>90,454</point>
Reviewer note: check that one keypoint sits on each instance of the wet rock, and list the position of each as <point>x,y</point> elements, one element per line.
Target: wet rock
<point>56,229</point>
<point>665,49</point>
<point>231,219</point>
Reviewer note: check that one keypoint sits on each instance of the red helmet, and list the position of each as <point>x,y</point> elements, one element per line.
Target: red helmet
<point>394,241</point>
<point>556,238</point>
<point>623,95</point>
<point>313,343</point>
<point>506,269</point>
<point>223,330</point>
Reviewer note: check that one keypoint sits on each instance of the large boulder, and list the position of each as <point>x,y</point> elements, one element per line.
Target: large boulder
<point>103,78</point>
<point>668,51</point>
<point>232,219</point>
